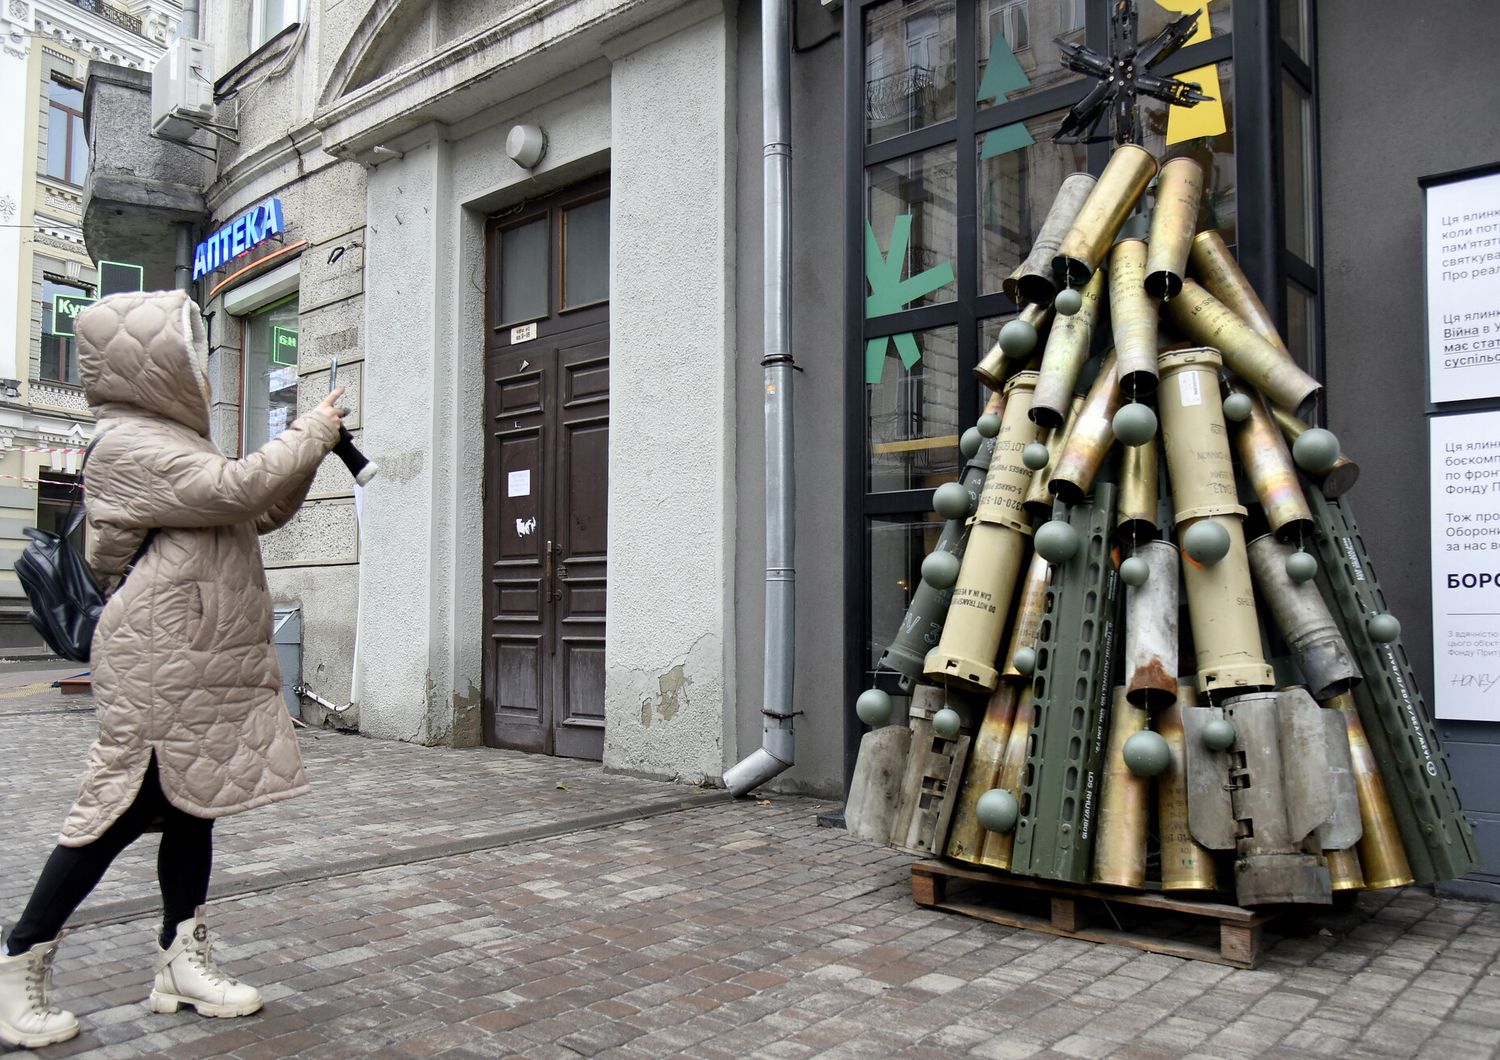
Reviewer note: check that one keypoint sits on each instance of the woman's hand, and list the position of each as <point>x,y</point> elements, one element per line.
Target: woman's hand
<point>329,405</point>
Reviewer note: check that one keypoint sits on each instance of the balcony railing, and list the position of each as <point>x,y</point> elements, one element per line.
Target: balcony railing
<point>111,14</point>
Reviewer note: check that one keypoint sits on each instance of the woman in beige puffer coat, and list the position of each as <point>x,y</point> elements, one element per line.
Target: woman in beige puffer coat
<point>192,724</point>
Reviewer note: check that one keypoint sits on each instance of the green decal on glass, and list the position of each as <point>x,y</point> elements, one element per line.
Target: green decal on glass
<point>1003,75</point>
<point>65,310</point>
<point>889,293</point>
<point>284,347</point>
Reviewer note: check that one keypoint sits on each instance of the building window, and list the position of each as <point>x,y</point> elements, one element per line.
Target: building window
<point>59,352</point>
<point>270,17</point>
<point>67,150</point>
<point>56,502</point>
<point>270,357</point>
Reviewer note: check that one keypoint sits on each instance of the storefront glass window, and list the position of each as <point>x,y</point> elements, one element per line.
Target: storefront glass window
<point>270,403</point>
<point>1301,334</point>
<point>585,254</point>
<point>56,500</point>
<point>1215,153</point>
<point>909,66</point>
<point>523,272</point>
<point>59,353</point>
<point>1015,37</point>
<point>1156,14</point>
<point>1016,185</point>
<point>911,207</point>
<point>913,416</point>
<point>897,547</point>
<point>1294,26</point>
<point>1296,156</point>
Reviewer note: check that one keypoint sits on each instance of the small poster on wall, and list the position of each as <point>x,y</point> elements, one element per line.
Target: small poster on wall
<point>1463,287</point>
<point>1465,474</point>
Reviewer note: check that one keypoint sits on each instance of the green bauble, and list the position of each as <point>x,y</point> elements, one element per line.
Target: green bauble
<point>1383,628</point>
<point>1135,424</point>
<point>1017,339</point>
<point>1147,754</point>
<point>873,707</point>
<point>951,500</point>
<point>1056,541</point>
<point>997,810</point>
<point>1025,661</point>
<point>1207,542</point>
<point>1134,571</point>
<point>1068,301</point>
<point>988,425</point>
<point>1035,456</point>
<point>1218,734</point>
<point>940,570</point>
<point>1316,450</point>
<point>1301,566</point>
<point>1237,407</point>
<point>969,442</point>
<point>946,723</point>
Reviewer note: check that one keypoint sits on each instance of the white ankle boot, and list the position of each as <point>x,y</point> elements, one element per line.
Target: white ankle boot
<point>27,1018</point>
<point>186,976</point>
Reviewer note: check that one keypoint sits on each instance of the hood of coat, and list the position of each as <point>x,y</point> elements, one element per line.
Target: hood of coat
<point>147,351</point>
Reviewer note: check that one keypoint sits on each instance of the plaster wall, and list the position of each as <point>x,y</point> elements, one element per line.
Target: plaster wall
<point>15,51</point>
<point>1378,136</point>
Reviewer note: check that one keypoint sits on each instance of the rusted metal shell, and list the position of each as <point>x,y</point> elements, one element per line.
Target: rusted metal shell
<point>1306,624</point>
<point>1151,629</point>
<point>1030,610</point>
<point>998,846</point>
<point>1268,464</point>
<point>982,771</point>
<point>1120,843</point>
<point>1380,850</point>
<point>1186,865</point>
<point>1090,438</point>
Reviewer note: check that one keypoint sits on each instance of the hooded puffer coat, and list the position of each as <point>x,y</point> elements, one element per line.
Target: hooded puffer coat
<point>183,662</point>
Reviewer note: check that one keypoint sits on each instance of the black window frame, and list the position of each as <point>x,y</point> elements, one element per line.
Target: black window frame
<point>72,117</point>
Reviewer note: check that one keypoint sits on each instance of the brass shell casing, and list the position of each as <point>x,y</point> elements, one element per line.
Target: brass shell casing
<point>1268,464</point>
<point>1090,438</point>
<point>1120,186</point>
<point>1380,850</point>
<point>1221,609</point>
<point>998,846</point>
<point>1007,480</point>
<point>1133,318</point>
<point>1032,281</point>
<point>995,367</point>
<point>1196,438</point>
<point>1120,840</point>
<point>1067,349</point>
<point>1186,865</point>
<point>1343,869</point>
<point>1136,518</point>
<point>977,614</point>
<point>1179,191</point>
<point>1205,319</point>
<point>1216,269</point>
<point>982,771</point>
<point>1030,610</point>
<point>1337,480</point>
<point>1039,498</point>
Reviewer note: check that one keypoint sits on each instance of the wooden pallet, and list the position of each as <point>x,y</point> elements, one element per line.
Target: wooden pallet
<point>1180,927</point>
<point>81,685</point>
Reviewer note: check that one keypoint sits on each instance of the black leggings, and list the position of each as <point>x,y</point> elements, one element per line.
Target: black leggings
<point>182,866</point>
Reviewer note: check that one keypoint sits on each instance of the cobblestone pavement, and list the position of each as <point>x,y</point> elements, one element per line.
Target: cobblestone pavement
<point>718,930</point>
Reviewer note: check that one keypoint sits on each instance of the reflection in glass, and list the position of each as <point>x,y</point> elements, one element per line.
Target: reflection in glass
<point>1155,14</point>
<point>270,402</point>
<point>1015,192</point>
<point>897,547</point>
<point>1301,327</point>
<point>586,254</point>
<point>909,66</point>
<point>912,417</point>
<point>1021,32</point>
<point>924,186</point>
<point>1294,26</point>
<point>1296,173</point>
<point>523,272</point>
<point>1214,153</point>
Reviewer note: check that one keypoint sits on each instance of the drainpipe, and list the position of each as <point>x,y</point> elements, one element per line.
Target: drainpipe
<point>776,752</point>
<point>183,271</point>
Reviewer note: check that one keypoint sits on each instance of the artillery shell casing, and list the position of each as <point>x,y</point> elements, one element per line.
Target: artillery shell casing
<point>995,367</point>
<point>1268,464</point>
<point>1221,610</point>
<point>1196,438</point>
<point>1306,624</point>
<point>1337,480</point>
<point>1151,629</point>
<point>1179,190</point>
<point>1186,865</point>
<point>1089,439</point>
<point>1380,850</point>
<point>1133,316</point>
<point>1205,319</point>
<point>1033,278</point>
<point>1067,349</point>
<point>1215,268</point>
<point>998,846</point>
<point>977,614</point>
<point>1009,284</point>
<point>1120,839</point>
<point>1120,186</point>
<point>1030,611</point>
<point>1344,870</point>
<point>982,771</point>
<point>1136,517</point>
<point>1008,478</point>
<point>1038,497</point>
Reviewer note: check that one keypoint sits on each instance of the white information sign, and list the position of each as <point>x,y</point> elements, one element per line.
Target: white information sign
<point>518,484</point>
<point>1463,289</point>
<point>1466,566</point>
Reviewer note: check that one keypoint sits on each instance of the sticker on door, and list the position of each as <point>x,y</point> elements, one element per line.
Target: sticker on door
<point>518,484</point>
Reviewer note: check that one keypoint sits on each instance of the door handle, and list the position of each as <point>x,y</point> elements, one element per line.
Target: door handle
<point>547,574</point>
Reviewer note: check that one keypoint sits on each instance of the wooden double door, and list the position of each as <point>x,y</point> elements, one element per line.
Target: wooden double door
<point>546,514</point>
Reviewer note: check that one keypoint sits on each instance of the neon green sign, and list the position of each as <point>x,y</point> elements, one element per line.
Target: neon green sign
<point>284,347</point>
<point>65,310</point>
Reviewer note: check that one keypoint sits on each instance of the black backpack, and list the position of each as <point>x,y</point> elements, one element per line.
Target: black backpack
<point>65,596</point>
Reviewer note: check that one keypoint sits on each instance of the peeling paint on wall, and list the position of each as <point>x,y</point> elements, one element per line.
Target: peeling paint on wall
<point>672,696</point>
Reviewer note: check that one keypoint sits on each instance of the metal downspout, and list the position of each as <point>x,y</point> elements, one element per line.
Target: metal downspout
<point>183,271</point>
<point>776,752</point>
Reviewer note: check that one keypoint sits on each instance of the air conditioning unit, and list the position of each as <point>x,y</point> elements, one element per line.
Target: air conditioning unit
<point>182,90</point>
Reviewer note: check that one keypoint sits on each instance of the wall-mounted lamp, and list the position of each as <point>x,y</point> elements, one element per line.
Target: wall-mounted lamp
<point>385,153</point>
<point>526,145</point>
<point>11,388</point>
